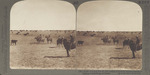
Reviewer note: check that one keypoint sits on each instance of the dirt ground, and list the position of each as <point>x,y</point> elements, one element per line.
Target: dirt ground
<point>29,55</point>
<point>107,57</point>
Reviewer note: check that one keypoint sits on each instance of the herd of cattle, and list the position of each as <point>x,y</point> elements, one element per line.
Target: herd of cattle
<point>70,43</point>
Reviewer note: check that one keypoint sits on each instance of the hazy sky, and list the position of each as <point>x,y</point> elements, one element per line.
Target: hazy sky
<point>109,16</point>
<point>42,15</point>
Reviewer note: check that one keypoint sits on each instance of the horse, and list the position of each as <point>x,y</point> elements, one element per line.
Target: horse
<point>68,46</point>
<point>39,39</point>
<point>49,39</point>
<point>115,40</point>
<point>134,47</point>
<point>106,40</point>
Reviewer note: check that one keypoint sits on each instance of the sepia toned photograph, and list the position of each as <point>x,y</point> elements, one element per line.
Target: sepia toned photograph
<point>39,49</point>
<point>101,35</point>
<point>42,35</point>
<point>109,35</point>
<point>109,50</point>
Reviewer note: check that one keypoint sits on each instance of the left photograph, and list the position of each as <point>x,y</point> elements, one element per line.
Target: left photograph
<point>42,35</point>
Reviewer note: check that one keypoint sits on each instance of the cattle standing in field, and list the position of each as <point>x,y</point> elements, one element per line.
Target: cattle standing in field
<point>60,42</point>
<point>115,40</point>
<point>18,33</point>
<point>80,42</point>
<point>84,34</point>
<point>125,43</point>
<point>14,42</point>
<point>92,35</point>
<point>49,39</point>
<point>26,34</point>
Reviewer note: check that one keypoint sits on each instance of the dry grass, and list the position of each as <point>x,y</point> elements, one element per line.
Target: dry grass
<point>92,55</point>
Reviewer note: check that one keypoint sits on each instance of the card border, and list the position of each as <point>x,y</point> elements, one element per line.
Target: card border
<point>5,6</point>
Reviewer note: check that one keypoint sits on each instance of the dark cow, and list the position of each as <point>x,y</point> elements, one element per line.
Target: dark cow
<point>92,35</point>
<point>18,33</point>
<point>26,34</point>
<point>59,42</point>
<point>80,42</point>
<point>125,42</point>
<point>84,34</point>
<point>14,42</point>
<point>134,47</point>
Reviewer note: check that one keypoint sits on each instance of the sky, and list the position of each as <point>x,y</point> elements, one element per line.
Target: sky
<point>42,15</point>
<point>109,16</point>
<point>61,15</point>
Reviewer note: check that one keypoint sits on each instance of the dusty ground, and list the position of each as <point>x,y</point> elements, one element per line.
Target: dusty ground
<point>27,55</point>
<point>107,57</point>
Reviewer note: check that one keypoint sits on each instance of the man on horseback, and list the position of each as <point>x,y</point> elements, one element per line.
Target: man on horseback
<point>115,40</point>
<point>69,44</point>
<point>49,39</point>
<point>71,41</point>
<point>38,38</point>
<point>135,46</point>
<point>137,42</point>
<point>106,39</point>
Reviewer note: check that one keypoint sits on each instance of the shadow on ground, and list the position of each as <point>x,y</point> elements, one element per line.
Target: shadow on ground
<point>124,58</point>
<point>118,48</point>
<point>57,56</point>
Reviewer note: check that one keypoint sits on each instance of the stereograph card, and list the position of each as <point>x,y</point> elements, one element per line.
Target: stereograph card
<point>74,37</point>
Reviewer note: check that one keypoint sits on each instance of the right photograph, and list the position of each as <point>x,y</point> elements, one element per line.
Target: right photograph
<point>109,36</point>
